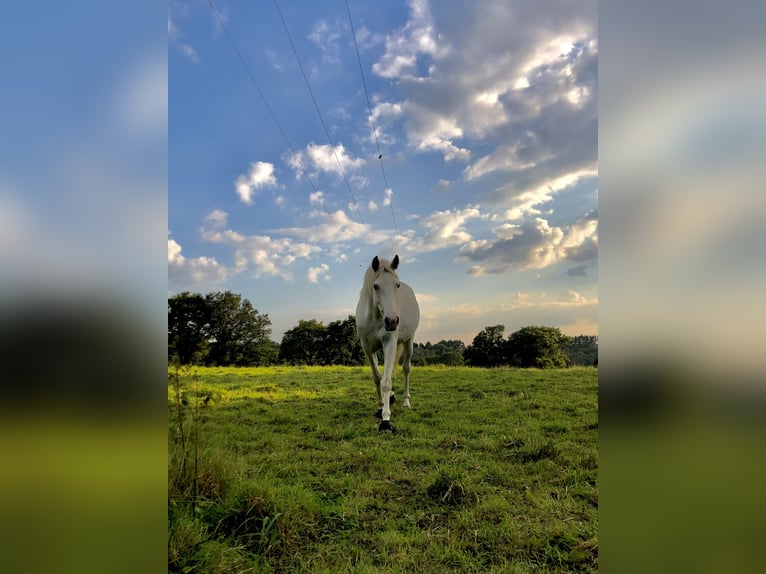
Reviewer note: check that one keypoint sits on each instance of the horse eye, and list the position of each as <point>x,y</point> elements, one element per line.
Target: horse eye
<point>398,285</point>
<point>376,287</point>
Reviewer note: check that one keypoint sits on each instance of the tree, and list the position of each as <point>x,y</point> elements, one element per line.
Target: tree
<point>270,353</point>
<point>341,345</point>
<point>451,359</point>
<point>487,349</point>
<point>583,350</point>
<point>239,335</point>
<point>449,353</point>
<point>187,327</point>
<point>302,344</point>
<point>541,347</point>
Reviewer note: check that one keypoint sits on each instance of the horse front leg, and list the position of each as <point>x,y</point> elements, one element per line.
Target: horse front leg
<point>376,376</point>
<point>389,356</point>
<point>406,367</point>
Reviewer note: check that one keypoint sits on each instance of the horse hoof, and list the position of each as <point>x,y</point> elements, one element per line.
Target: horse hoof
<point>379,414</point>
<point>386,426</point>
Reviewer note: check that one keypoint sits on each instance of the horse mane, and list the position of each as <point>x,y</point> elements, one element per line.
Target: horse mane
<point>370,276</point>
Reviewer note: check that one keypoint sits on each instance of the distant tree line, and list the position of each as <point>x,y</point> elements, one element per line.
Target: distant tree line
<point>533,346</point>
<point>222,329</point>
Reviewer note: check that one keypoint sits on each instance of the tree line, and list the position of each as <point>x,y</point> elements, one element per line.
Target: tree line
<point>222,329</point>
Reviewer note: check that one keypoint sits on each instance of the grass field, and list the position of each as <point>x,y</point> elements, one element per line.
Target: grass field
<point>282,469</point>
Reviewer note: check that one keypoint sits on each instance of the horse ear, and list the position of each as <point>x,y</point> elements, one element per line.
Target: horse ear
<point>395,262</point>
<point>375,263</point>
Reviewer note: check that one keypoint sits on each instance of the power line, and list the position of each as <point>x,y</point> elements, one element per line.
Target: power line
<point>263,97</point>
<point>319,113</point>
<point>372,119</point>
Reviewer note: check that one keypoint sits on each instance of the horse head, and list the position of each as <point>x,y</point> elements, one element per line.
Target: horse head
<point>385,291</point>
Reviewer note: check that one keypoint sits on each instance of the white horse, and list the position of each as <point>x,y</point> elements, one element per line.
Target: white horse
<point>387,316</point>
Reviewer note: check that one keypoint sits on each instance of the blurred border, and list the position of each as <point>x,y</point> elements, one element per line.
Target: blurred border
<point>681,280</point>
<point>83,287</point>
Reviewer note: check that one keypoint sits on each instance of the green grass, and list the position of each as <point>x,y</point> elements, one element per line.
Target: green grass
<point>282,470</point>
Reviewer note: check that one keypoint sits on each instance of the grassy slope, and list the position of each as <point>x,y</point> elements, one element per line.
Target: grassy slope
<point>491,471</point>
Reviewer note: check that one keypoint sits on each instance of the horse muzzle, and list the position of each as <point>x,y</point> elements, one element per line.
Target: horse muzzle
<point>391,324</point>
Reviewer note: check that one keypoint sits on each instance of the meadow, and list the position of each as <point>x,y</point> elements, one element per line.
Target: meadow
<point>282,469</point>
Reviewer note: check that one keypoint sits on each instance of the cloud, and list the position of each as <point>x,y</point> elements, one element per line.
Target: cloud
<point>522,84</point>
<point>185,273</point>
<point>323,158</point>
<point>385,110</point>
<point>444,229</point>
<point>269,257</point>
<point>217,218</point>
<point>524,201</point>
<point>417,37</point>
<point>581,241</point>
<point>327,39</point>
<point>261,175</point>
<point>314,273</point>
<point>570,299</point>
<point>174,37</point>
<point>372,206</point>
<point>579,271</point>
<point>429,130</point>
<point>532,245</point>
<point>515,156</point>
<point>335,228</point>
<point>384,114</point>
<point>317,197</point>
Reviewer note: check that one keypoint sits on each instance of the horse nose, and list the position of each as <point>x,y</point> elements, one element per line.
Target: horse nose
<point>391,324</point>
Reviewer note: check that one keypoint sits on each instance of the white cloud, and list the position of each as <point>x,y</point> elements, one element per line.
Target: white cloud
<point>386,110</point>
<point>199,272</point>
<point>334,228</point>
<point>532,245</point>
<point>416,37</point>
<point>174,36</point>
<point>315,273</point>
<point>518,70</point>
<point>269,257</point>
<point>513,156</point>
<point>316,197</point>
<point>570,299</point>
<point>524,203</point>
<point>217,218</point>
<point>372,206</point>
<point>430,131</point>
<point>261,175</point>
<point>383,115</point>
<point>323,158</point>
<point>443,229</point>
<point>326,38</point>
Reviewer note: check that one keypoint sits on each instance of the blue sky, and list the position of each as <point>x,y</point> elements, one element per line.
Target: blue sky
<point>486,117</point>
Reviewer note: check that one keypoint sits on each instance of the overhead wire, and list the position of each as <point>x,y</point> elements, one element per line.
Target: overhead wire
<point>319,113</point>
<point>372,118</point>
<point>265,102</point>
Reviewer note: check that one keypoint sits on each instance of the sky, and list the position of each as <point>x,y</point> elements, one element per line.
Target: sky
<point>461,136</point>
